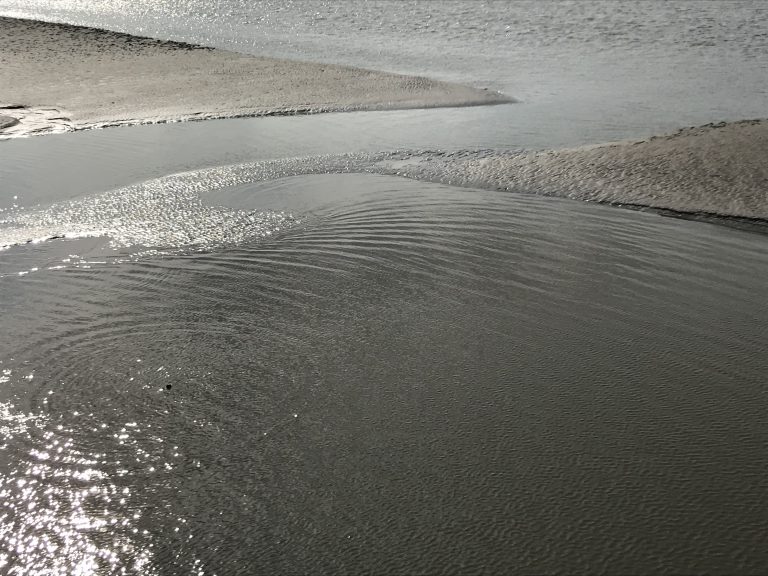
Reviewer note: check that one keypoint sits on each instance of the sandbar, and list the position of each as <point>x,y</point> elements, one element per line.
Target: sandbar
<point>719,169</point>
<point>85,78</point>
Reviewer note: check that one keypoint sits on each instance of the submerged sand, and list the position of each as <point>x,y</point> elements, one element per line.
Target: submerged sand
<point>714,169</point>
<point>85,77</point>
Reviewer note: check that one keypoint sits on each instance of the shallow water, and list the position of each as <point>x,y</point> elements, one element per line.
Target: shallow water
<point>267,368</point>
<point>413,378</point>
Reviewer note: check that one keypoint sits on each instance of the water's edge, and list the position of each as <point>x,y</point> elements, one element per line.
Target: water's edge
<point>711,174</point>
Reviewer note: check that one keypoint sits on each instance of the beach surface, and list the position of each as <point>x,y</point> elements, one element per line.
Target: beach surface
<point>716,169</point>
<point>57,77</point>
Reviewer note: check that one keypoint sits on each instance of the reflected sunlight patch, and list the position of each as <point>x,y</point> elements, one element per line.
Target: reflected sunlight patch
<point>164,214</point>
<point>60,513</point>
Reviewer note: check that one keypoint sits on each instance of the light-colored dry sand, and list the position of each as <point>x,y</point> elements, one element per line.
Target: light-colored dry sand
<point>717,168</point>
<point>86,77</point>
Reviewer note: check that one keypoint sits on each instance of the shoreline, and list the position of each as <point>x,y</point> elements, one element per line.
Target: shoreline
<point>61,77</point>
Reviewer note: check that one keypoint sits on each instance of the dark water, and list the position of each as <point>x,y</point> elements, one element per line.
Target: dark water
<point>411,378</point>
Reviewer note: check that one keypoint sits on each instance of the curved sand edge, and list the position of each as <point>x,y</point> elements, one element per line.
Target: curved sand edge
<point>94,78</point>
<point>717,169</point>
<point>7,121</point>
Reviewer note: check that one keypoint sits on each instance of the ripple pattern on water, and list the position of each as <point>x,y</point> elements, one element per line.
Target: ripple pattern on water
<point>417,378</point>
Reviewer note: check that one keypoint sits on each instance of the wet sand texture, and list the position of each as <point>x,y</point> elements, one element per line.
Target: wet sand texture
<point>717,169</point>
<point>98,78</point>
<point>7,121</point>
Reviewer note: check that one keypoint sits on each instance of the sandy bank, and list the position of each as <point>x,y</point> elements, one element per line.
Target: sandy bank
<point>89,77</point>
<point>718,168</point>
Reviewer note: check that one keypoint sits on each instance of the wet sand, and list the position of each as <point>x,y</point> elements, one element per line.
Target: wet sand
<point>85,77</point>
<point>7,121</point>
<point>714,169</point>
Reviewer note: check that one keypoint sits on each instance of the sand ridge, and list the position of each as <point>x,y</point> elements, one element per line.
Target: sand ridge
<point>713,169</point>
<point>97,78</point>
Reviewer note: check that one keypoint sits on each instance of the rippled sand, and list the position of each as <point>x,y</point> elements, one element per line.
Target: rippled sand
<point>88,77</point>
<point>715,169</point>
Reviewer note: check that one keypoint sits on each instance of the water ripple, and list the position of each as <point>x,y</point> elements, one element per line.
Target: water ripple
<point>300,402</point>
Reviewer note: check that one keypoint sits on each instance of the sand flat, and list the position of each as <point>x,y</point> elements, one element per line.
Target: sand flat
<point>715,169</point>
<point>92,78</point>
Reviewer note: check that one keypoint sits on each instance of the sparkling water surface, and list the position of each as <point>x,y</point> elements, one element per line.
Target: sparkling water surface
<point>296,365</point>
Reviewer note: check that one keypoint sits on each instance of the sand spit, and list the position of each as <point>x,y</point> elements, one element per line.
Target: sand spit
<point>97,78</point>
<point>719,169</point>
